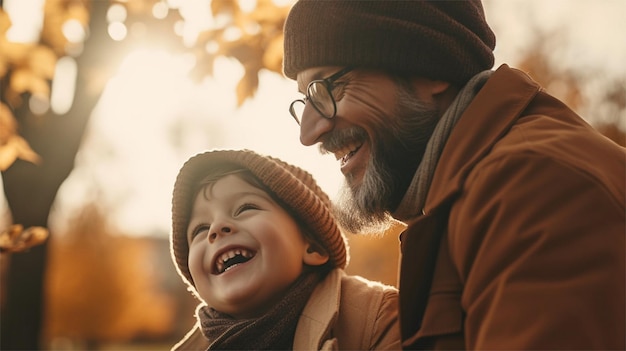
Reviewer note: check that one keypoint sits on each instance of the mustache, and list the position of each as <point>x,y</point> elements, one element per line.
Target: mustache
<point>336,139</point>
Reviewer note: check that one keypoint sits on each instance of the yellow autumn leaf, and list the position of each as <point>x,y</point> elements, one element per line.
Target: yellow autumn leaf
<point>225,7</point>
<point>5,22</point>
<point>4,65</point>
<point>16,148</point>
<point>16,239</point>
<point>8,124</point>
<point>273,55</point>
<point>13,146</point>
<point>267,13</point>
<point>42,61</point>
<point>20,80</point>
<point>78,11</point>
<point>24,79</point>
<point>14,53</point>
<point>247,86</point>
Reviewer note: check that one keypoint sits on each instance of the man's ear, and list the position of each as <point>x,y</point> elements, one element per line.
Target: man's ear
<point>314,256</point>
<point>438,87</point>
<point>429,89</point>
<point>441,93</point>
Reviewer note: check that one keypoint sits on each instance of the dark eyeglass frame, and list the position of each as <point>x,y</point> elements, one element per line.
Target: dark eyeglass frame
<point>328,84</point>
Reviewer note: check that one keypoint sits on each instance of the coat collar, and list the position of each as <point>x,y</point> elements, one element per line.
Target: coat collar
<point>319,314</point>
<point>482,124</point>
<point>489,116</point>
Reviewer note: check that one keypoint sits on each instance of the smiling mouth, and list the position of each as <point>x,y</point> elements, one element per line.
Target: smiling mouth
<point>346,152</point>
<point>231,258</point>
<point>344,143</point>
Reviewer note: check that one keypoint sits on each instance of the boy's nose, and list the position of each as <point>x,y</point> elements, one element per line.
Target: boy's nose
<point>220,230</point>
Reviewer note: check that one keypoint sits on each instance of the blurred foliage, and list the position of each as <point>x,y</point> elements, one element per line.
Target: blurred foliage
<point>12,145</point>
<point>104,287</point>
<point>376,257</point>
<point>253,38</point>
<point>597,97</point>
<point>16,239</point>
<point>29,68</point>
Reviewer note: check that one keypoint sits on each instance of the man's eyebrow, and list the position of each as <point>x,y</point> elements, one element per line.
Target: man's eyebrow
<point>319,75</point>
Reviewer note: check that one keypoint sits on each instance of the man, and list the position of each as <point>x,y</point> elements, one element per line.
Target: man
<point>515,206</point>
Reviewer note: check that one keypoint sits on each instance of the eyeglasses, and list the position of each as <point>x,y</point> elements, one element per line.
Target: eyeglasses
<point>319,93</point>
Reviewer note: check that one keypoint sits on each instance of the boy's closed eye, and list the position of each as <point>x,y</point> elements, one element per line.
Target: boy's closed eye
<point>199,229</point>
<point>204,228</point>
<point>245,207</point>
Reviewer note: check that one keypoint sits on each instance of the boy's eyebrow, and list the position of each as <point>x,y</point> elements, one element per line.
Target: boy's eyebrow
<point>259,193</point>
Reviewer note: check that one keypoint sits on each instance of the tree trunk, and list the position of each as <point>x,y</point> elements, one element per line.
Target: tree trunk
<point>31,190</point>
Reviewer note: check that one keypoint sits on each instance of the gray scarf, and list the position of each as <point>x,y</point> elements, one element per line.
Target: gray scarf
<point>415,197</point>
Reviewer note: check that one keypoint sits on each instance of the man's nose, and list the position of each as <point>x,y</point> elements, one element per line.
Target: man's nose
<point>313,126</point>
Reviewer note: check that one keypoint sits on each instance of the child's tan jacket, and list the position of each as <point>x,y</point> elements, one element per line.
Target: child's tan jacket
<point>344,313</point>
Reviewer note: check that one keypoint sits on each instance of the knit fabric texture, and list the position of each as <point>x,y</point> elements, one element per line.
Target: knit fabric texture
<point>293,185</point>
<point>275,330</point>
<point>442,40</point>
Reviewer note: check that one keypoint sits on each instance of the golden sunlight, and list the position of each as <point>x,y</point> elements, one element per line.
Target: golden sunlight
<point>151,118</point>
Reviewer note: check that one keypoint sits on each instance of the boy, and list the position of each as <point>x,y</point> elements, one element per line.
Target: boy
<point>255,240</point>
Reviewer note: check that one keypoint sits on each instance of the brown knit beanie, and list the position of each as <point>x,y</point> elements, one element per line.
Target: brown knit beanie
<point>293,185</point>
<point>442,40</point>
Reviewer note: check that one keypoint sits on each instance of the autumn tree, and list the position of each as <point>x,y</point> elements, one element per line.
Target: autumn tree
<point>38,145</point>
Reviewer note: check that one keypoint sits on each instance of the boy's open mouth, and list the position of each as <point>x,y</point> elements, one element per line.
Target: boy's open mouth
<point>230,258</point>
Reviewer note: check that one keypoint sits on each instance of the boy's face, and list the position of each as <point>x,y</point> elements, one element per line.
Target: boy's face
<point>244,249</point>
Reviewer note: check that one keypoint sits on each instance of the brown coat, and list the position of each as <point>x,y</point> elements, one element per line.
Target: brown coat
<point>344,313</point>
<point>527,207</point>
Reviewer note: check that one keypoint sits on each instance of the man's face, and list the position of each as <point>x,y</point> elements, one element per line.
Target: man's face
<point>378,135</point>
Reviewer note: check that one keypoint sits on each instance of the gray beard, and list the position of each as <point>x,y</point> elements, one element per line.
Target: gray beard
<point>396,154</point>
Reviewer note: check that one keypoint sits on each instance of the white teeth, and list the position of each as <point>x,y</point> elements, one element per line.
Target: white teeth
<point>220,262</point>
<point>339,154</point>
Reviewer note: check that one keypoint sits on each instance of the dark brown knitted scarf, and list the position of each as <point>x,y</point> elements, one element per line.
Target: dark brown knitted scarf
<point>272,331</point>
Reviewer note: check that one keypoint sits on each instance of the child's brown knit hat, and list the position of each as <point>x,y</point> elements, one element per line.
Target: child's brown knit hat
<point>291,184</point>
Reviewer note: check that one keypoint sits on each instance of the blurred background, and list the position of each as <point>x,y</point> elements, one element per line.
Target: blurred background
<point>102,101</point>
